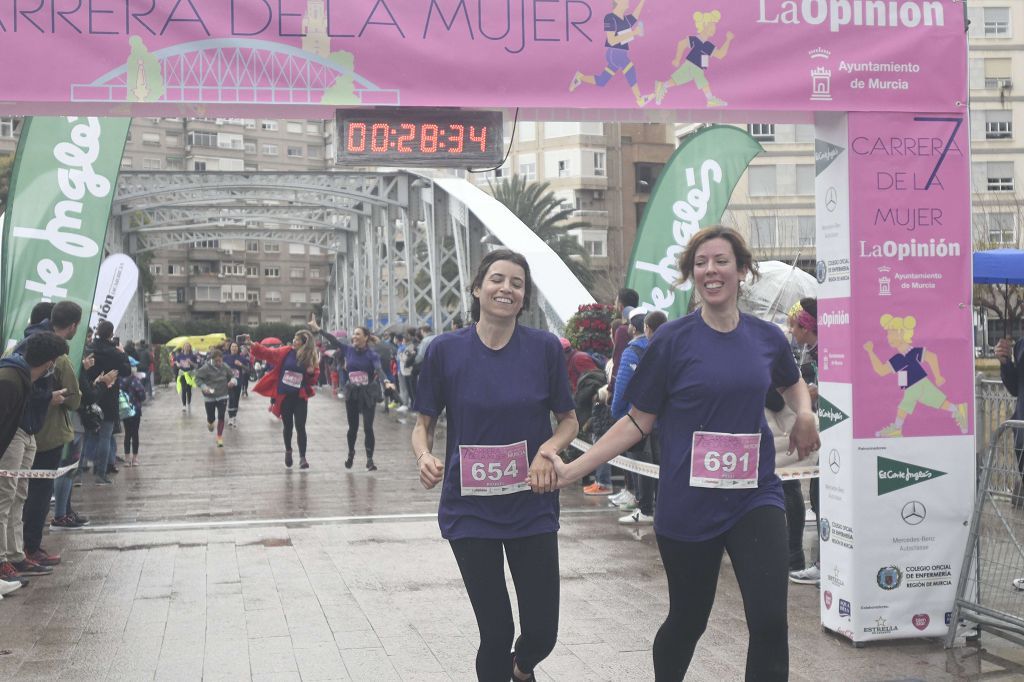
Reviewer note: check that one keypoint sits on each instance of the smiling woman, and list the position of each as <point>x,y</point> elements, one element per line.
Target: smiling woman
<point>499,382</point>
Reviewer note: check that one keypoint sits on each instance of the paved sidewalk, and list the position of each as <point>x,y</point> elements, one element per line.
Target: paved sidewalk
<point>223,565</point>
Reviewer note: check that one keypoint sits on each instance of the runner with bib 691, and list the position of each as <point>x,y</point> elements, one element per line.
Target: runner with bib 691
<point>704,379</point>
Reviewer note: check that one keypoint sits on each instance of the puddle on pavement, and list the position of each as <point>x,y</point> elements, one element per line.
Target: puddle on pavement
<point>267,542</point>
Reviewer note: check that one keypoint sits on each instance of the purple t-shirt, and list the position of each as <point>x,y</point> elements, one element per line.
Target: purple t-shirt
<point>700,52</point>
<point>290,364</point>
<point>698,379</point>
<point>365,360</point>
<point>911,363</point>
<point>494,397</point>
<point>616,24</point>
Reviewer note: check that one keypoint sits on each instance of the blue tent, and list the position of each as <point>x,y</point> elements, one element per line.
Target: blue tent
<point>1000,266</point>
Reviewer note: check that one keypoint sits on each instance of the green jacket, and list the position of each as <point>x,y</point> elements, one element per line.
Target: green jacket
<point>57,429</point>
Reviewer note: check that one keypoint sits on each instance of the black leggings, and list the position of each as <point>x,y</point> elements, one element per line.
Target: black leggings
<point>757,547</point>
<point>294,410</point>
<point>186,389</point>
<point>131,434</point>
<point>796,513</point>
<point>215,410</point>
<point>533,562</point>
<point>233,395</point>
<point>352,408</point>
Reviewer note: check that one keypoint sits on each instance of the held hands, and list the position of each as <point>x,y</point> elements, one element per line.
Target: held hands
<point>1003,351</point>
<point>431,470</point>
<point>803,437</point>
<point>543,477</point>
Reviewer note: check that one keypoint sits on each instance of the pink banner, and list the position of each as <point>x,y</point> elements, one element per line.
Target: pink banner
<point>911,260</point>
<point>247,56</point>
<point>835,360</point>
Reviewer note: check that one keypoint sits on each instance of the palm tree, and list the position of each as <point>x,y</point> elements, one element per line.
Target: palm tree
<point>538,207</point>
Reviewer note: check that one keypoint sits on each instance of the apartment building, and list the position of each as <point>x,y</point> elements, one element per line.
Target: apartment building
<point>604,171</point>
<point>231,281</point>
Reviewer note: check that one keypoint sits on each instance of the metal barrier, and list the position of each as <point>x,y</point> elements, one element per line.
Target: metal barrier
<point>994,405</point>
<point>990,592</point>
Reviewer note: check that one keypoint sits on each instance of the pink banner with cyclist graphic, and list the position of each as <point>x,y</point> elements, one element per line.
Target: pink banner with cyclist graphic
<point>236,57</point>
<point>910,264</point>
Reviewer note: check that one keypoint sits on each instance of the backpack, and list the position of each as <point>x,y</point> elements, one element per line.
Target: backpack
<point>91,416</point>
<point>125,407</point>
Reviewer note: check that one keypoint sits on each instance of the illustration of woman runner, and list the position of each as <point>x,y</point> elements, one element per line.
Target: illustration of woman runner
<point>697,59</point>
<point>911,376</point>
<point>619,29</point>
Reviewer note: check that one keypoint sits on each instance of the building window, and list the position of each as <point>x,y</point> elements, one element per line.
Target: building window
<point>252,271</point>
<point>297,273</point>
<point>252,296</point>
<point>998,125</point>
<point>6,128</point>
<point>762,132</point>
<point>206,244</point>
<point>271,272</point>
<point>152,139</point>
<point>528,171</point>
<point>805,179</point>
<point>594,247</point>
<point>297,297</point>
<point>175,269</point>
<point>179,293</point>
<point>268,125</point>
<point>175,163</point>
<point>998,73</point>
<point>272,247</point>
<point>252,246</point>
<point>312,128</point>
<point>761,181</point>
<point>250,146</point>
<point>208,293</point>
<point>151,164</point>
<point>273,296</point>
<point>294,127</point>
<point>999,176</point>
<point>316,297</point>
<point>269,150</point>
<point>232,269</point>
<point>230,141</point>
<point>155,269</point>
<point>199,165</point>
<point>314,273</point>
<point>563,168</point>
<point>646,176</point>
<point>295,152</point>
<point>806,229</point>
<point>126,162</point>
<point>997,22</point>
<point>201,139</point>
<point>600,161</point>
<point>1000,228</point>
<point>763,232</point>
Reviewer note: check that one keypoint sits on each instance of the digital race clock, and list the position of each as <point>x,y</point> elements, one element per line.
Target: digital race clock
<point>420,137</point>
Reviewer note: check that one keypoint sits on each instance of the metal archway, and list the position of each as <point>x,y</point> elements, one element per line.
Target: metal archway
<point>404,246</point>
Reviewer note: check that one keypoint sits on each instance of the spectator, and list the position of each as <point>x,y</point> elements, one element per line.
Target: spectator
<point>578,363</point>
<point>145,357</point>
<point>25,397</point>
<point>626,300</point>
<point>1011,371</point>
<point>55,433</point>
<point>100,447</point>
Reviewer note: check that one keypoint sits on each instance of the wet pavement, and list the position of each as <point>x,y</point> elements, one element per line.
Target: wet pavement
<point>208,564</point>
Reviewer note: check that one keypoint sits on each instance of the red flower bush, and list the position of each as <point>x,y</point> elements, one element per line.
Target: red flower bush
<point>589,330</point>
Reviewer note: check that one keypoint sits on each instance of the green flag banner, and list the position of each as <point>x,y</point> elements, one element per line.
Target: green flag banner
<point>691,193</point>
<point>62,185</point>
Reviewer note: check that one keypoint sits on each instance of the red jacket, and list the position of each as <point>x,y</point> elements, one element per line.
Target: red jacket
<point>578,363</point>
<point>267,385</point>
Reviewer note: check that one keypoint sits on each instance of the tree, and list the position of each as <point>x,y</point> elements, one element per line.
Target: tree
<point>6,165</point>
<point>999,226</point>
<point>544,213</point>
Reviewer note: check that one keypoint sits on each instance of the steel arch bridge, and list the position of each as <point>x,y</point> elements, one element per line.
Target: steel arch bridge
<point>239,70</point>
<point>404,246</point>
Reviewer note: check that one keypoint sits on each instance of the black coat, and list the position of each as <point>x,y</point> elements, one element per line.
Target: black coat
<point>1012,374</point>
<point>108,357</point>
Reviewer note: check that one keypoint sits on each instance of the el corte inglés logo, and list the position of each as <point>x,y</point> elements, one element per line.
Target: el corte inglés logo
<point>895,475</point>
<point>829,415</point>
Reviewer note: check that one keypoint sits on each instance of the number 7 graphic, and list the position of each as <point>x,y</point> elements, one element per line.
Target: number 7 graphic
<point>959,121</point>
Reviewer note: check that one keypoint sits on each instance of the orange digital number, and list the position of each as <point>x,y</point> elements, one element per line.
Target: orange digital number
<point>403,140</point>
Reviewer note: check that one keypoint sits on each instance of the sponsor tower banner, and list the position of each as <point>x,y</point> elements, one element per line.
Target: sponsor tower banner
<point>62,185</point>
<point>905,492</point>
<point>248,57</point>
<point>692,192</point>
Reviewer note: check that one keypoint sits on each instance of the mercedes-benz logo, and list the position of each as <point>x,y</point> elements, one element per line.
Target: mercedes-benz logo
<point>913,513</point>
<point>833,461</point>
<point>831,199</point>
